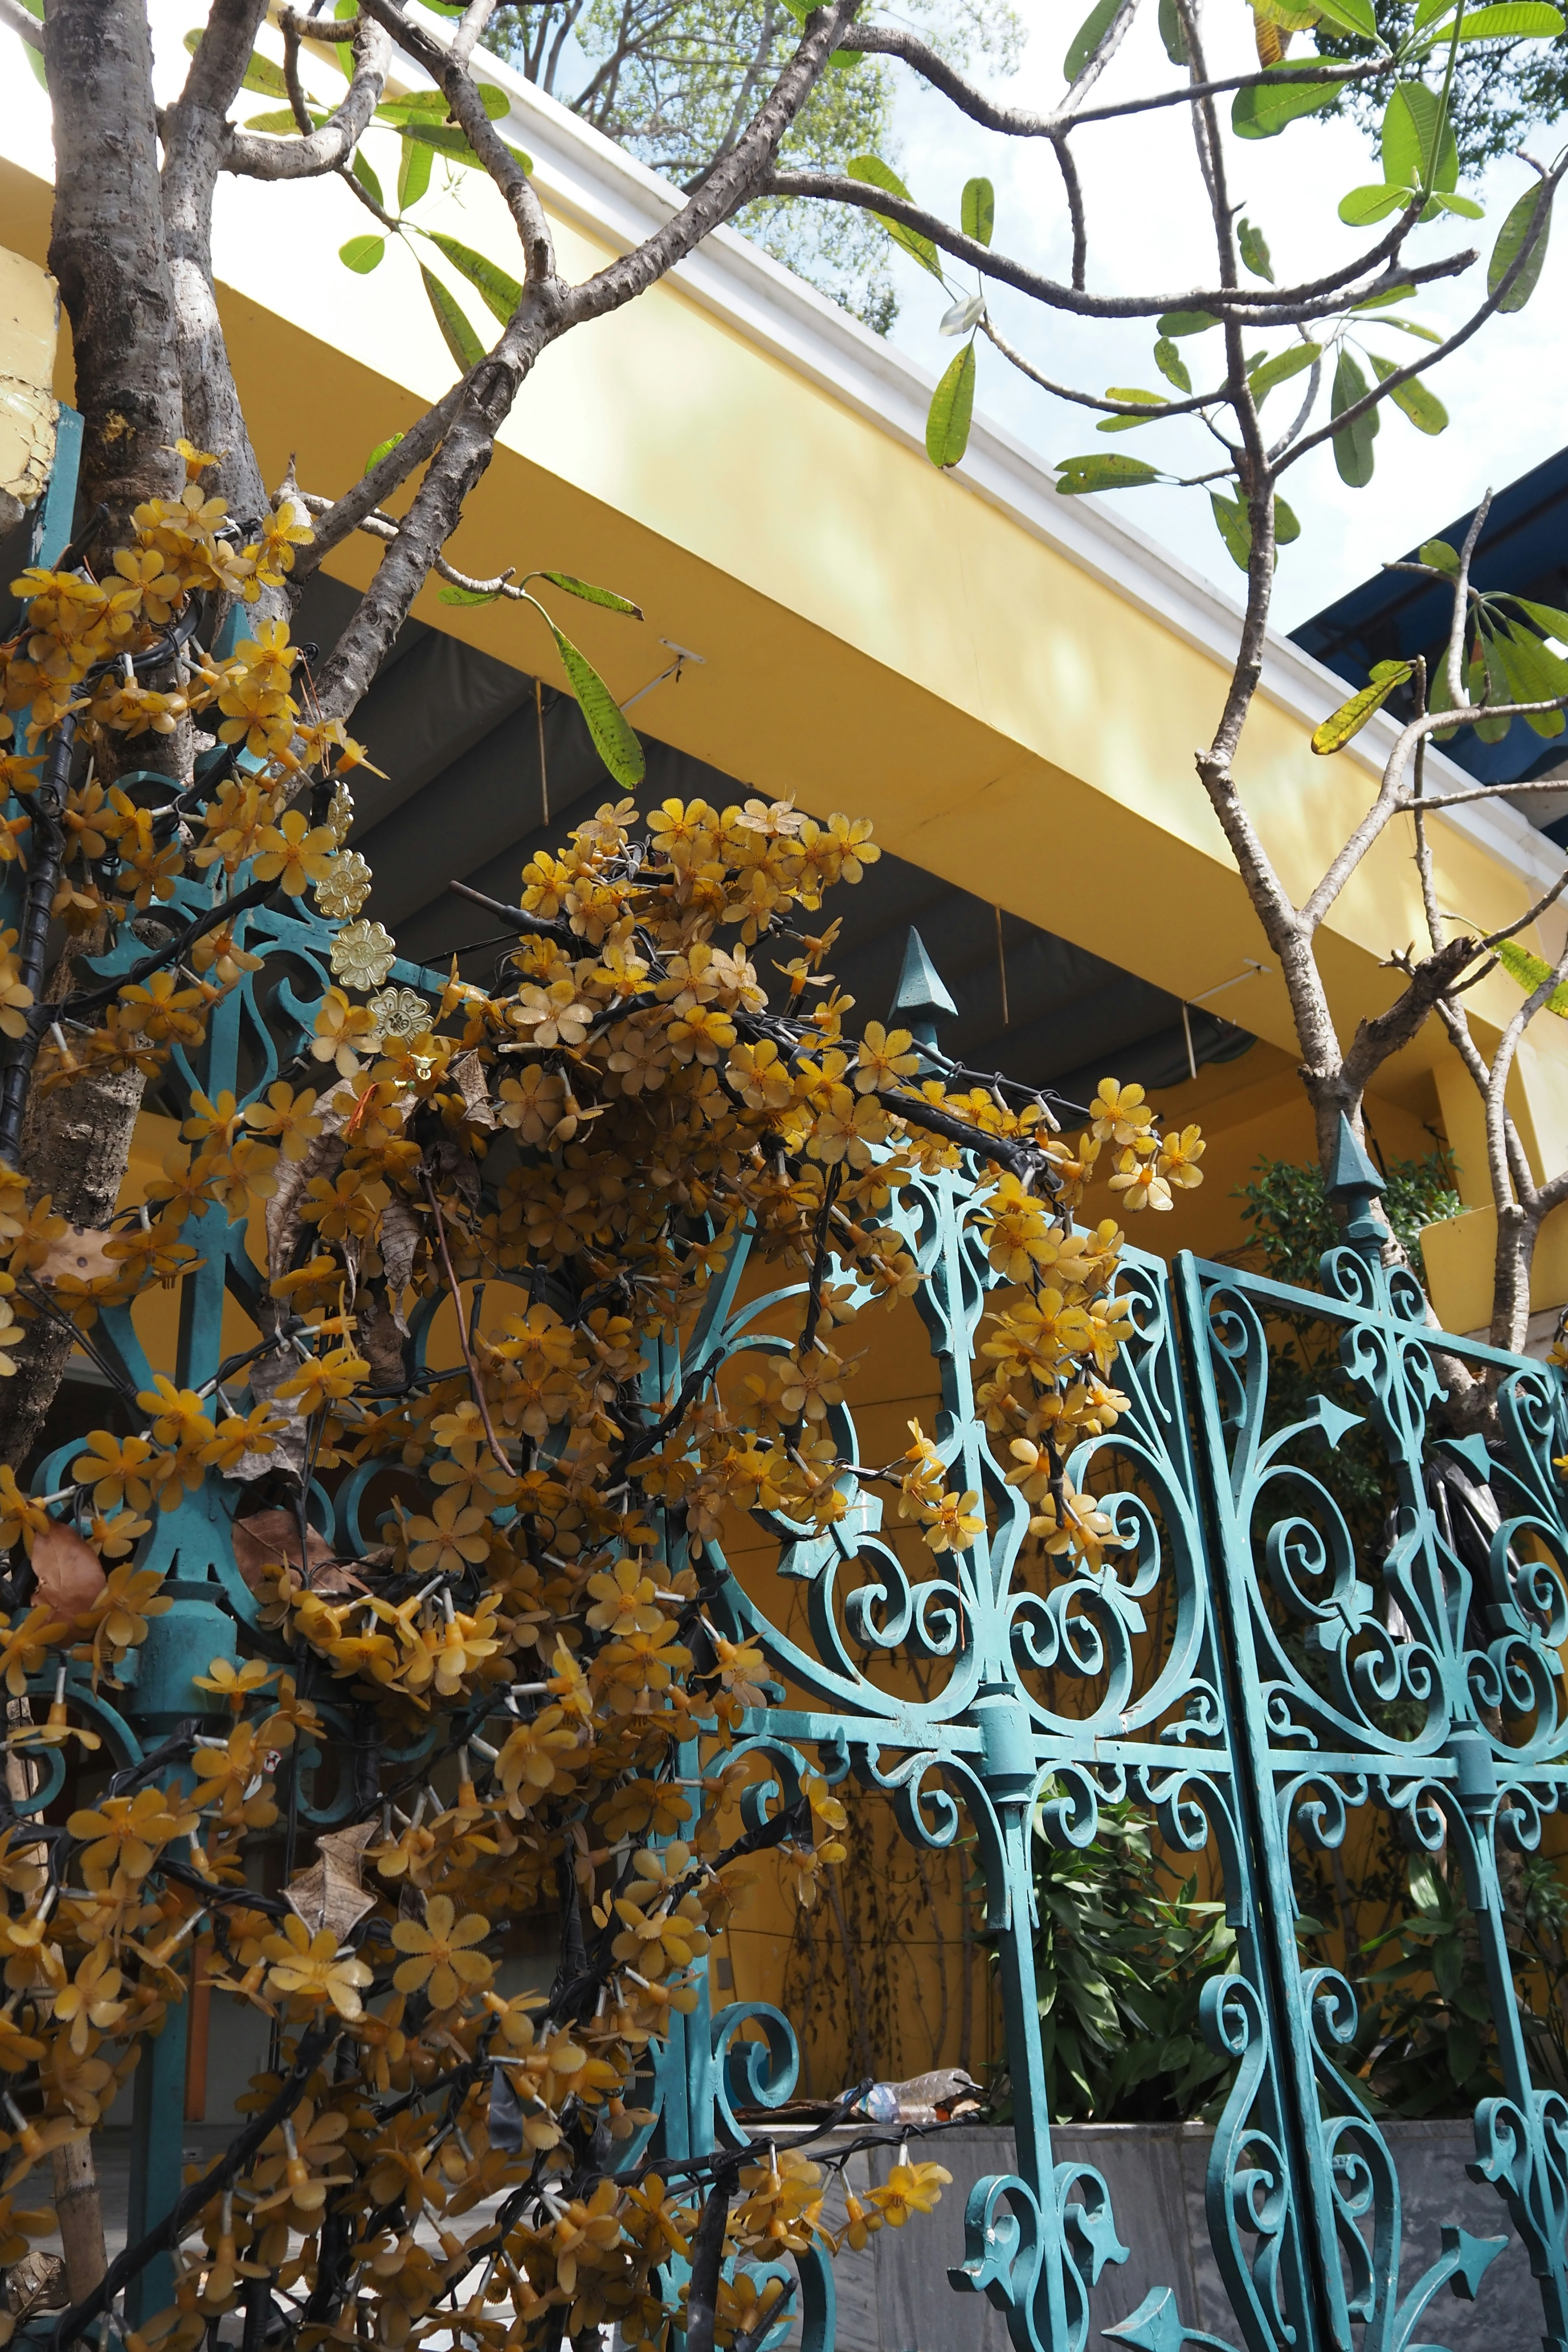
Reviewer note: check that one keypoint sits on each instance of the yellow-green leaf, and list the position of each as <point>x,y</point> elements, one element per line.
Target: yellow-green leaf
<point>952,406</point>
<point>455,333</point>
<point>1530,971</point>
<point>590,595</point>
<point>1351,717</point>
<point>499,293</point>
<point>613,739</point>
<point>878,174</point>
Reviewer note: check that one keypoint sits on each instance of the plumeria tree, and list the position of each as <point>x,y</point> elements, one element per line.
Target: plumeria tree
<point>1272,373</point>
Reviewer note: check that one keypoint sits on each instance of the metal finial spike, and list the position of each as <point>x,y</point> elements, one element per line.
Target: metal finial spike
<point>1353,1171</point>
<point>920,1001</point>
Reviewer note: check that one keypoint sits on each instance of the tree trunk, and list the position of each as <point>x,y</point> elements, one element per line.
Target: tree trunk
<point>107,250</point>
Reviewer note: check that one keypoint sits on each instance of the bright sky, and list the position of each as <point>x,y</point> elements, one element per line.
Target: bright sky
<point>1503,391</point>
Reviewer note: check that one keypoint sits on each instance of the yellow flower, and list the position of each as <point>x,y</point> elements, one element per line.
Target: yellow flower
<point>884,1059</point>
<point>295,853</point>
<point>441,1956</point>
<point>313,1969</point>
<point>911,2189</point>
<point>126,1833</point>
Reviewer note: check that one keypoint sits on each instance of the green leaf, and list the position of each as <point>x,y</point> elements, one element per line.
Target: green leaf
<point>1445,200</point>
<point>1422,406</point>
<point>1171,365</point>
<point>1512,20</point>
<point>614,739</point>
<point>952,406</point>
<point>1187,322</point>
<point>446,138</point>
<point>414,174</point>
<point>1171,33</point>
<point>1511,238</point>
<point>1076,475</point>
<point>1410,130</point>
<point>281,124</point>
<point>1530,971</point>
<point>344,50</point>
<point>591,596</point>
<point>1412,327</point>
<point>878,174</point>
<point>1282,367</point>
<point>1254,248</point>
<point>496,103</point>
<point>1363,206</point>
<point>1285,527</point>
<point>382,449</point>
<point>500,293</point>
<point>1534,674</point>
<point>365,172</point>
<point>1353,447</point>
<point>1545,616</point>
<point>1351,717</point>
<point>363,254</point>
<point>1089,37</point>
<point>455,333</point>
<point>977,210</point>
<point>1380,301</point>
<point>1440,556</point>
<point>1235,525</point>
<point>1351,16</point>
<point>1265,108</point>
<point>261,73</point>
<point>453,594</point>
<point>420,105</point>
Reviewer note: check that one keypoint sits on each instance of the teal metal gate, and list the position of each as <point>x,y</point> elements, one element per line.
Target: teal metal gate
<point>1426,1682</point>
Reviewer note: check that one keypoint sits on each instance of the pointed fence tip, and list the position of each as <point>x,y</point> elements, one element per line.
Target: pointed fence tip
<point>921,995</point>
<point>1351,1172</point>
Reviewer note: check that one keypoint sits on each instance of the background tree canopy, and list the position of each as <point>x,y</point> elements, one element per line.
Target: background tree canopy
<point>677,81</point>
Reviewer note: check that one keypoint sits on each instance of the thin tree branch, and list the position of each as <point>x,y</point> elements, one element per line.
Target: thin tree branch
<point>256,155</point>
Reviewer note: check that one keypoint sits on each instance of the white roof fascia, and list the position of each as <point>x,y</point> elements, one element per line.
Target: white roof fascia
<point>585,178</point>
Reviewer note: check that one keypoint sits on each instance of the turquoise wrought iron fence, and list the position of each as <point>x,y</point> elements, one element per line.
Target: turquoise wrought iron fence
<point>1434,1693</point>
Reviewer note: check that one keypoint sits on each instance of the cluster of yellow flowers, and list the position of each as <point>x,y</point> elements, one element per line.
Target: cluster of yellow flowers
<point>646,1085</point>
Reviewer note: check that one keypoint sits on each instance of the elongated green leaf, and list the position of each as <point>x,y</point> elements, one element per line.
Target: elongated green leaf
<point>1076,475</point>
<point>1428,12</point>
<point>420,105</point>
<point>1444,200</point>
<point>1171,365</point>
<point>1512,20</point>
<point>1282,367</point>
<point>1534,674</point>
<point>1380,301</point>
<point>1171,33</point>
<point>496,103</point>
<point>280,123</point>
<point>500,293</point>
<point>1353,447</point>
<point>1410,130</point>
<point>977,210</point>
<point>1235,527</point>
<point>382,449</point>
<point>446,138</point>
<point>1089,37</point>
<point>1545,616</point>
<point>345,55</point>
<point>1187,322</point>
<point>952,406</point>
<point>1530,971</point>
<point>1254,248</point>
<point>1264,110</point>
<point>1363,206</point>
<point>1441,557</point>
<point>591,596</point>
<point>1514,235</point>
<point>1350,16</point>
<point>455,333</point>
<point>260,74</point>
<point>363,254</point>
<point>1412,327</point>
<point>613,739</point>
<point>1351,717</point>
<point>414,174</point>
<point>453,594</point>
<point>1285,527</point>
<point>365,172</point>
<point>1422,406</point>
<point>878,174</point>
